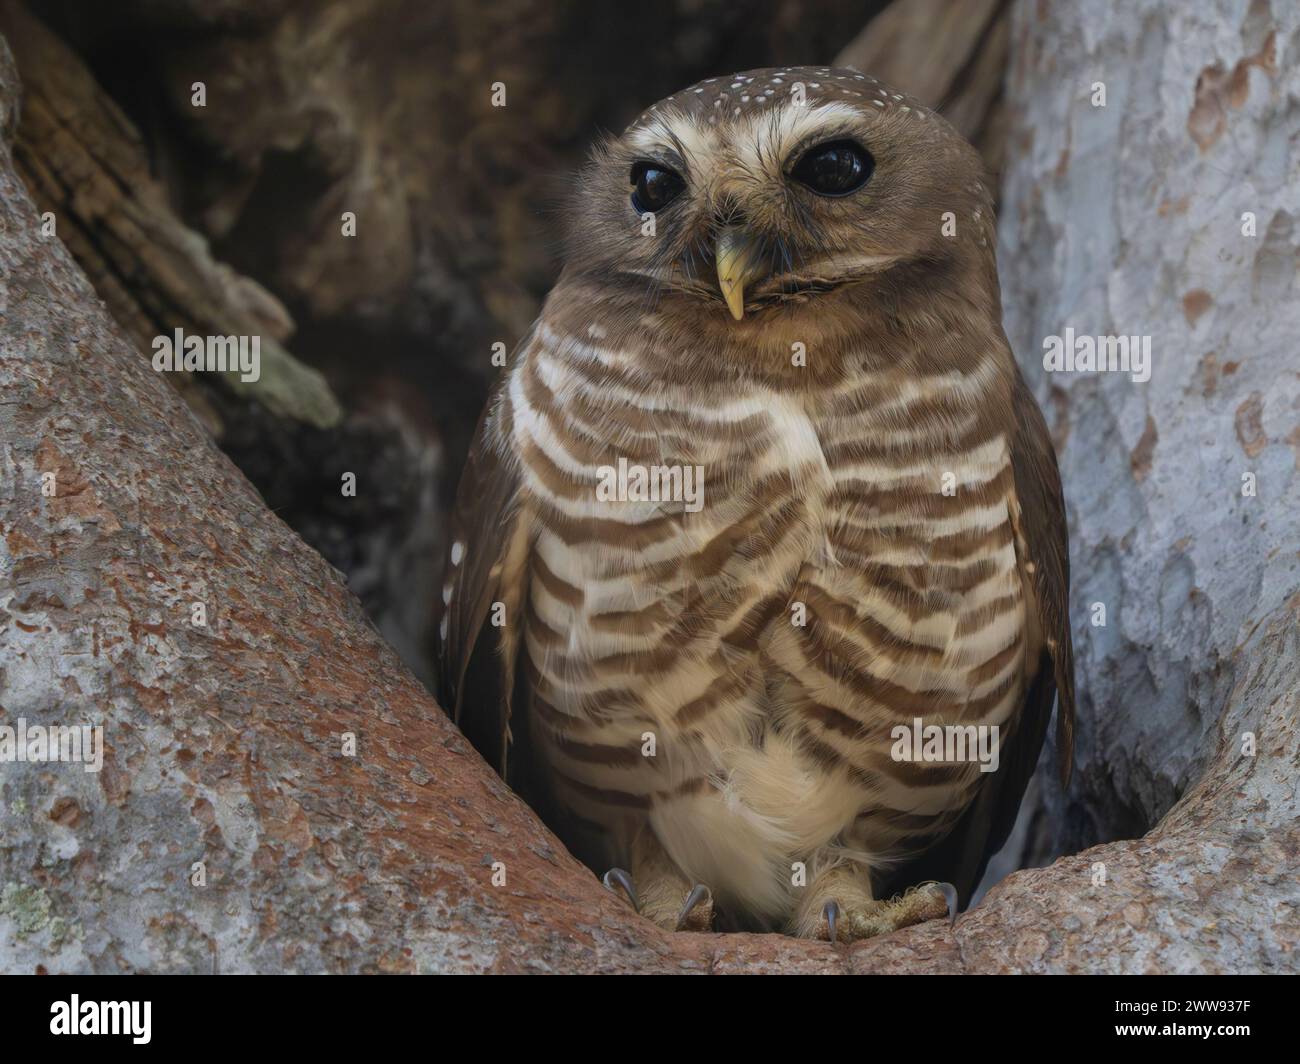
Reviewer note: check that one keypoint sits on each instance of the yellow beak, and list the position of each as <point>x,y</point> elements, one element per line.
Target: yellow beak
<point>736,256</point>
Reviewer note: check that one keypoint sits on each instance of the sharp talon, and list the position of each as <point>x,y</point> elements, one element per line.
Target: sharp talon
<point>617,878</point>
<point>831,910</point>
<point>949,893</point>
<point>698,893</point>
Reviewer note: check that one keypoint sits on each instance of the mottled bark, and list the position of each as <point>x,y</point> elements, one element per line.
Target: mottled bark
<point>1166,212</point>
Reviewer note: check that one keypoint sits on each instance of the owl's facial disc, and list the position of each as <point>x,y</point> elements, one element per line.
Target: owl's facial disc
<point>833,169</point>
<point>772,213</point>
<point>778,195</point>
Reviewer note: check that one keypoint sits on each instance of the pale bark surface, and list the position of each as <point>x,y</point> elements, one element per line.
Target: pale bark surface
<point>1131,219</point>
<point>225,742</point>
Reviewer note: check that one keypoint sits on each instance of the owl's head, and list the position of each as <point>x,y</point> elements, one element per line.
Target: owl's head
<point>779,188</point>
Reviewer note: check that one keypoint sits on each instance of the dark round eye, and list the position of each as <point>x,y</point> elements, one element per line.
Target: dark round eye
<point>654,187</point>
<point>835,168</point>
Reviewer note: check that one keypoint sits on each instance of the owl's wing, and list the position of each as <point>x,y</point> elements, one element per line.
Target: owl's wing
<point>481,630</point>
<point>1042,551</point>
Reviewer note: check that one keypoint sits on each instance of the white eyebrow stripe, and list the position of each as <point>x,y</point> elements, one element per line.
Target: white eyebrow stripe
<point>678,132</point>
<point>774,134</point>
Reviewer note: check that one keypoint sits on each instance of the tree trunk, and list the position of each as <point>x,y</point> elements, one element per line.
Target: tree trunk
<point>1164,208</point>
<point>233,828</point>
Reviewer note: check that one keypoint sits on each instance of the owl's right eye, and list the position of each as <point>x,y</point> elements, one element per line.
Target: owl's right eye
<point>654,187</point>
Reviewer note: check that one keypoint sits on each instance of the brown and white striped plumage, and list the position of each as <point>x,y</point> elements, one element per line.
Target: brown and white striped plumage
<point>823,490</point>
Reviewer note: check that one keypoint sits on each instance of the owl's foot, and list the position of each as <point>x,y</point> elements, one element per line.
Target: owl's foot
<point>849,923</point>
<point>668,897</point>
<point>841,909</point>
<point>618,880</point>
<point>659,890</point>
<point>696,913</point>
<point>676,904</point>
<point>669,901</point>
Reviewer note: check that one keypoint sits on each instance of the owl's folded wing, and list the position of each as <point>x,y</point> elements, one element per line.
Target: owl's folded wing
<point>482,626</point>
<point>1043,550</point>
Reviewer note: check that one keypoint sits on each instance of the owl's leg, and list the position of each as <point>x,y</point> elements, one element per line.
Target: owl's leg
<point>839,907</point>
<point>659,891</point>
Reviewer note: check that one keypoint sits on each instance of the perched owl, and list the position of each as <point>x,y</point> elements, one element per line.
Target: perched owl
<point>761,498</point>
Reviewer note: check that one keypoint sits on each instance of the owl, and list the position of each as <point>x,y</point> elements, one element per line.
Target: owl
<point>758,576</point>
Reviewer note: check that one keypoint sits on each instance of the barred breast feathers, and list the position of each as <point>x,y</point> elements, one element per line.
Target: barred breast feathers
<point>914,596</point>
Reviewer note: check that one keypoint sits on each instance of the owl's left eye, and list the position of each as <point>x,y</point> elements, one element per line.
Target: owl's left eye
<point>654,187</point>
<point>834,169</point>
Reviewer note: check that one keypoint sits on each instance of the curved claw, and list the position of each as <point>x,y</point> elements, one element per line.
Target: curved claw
<point>616,878</point>
<point>949,893</point>
<point>699,893</point>
<point>831,911</point>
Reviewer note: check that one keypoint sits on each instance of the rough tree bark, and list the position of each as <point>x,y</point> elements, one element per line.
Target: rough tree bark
<point>224,742</point>
<point>1166,212</point>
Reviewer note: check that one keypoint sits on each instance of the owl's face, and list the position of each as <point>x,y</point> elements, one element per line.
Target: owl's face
<point>772,190</point>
